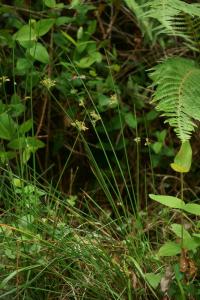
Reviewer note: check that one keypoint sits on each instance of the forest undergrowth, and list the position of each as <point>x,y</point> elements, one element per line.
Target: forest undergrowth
<point>99,150</point>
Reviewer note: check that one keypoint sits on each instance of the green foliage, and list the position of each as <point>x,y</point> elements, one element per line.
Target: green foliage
<point>177,94</point>
<point>81,148</point>
<point>177,203</point>
<point>183,159</point>
<point>175,17</point>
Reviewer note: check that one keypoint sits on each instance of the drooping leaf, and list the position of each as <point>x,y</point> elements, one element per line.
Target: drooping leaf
<point>183,159</point>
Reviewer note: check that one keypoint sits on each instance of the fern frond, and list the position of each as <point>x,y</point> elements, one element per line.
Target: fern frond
<point>177,94</point>
<point>172,16</point>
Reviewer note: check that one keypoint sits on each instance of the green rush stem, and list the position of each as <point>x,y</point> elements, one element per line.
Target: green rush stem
<point>138,177</point>
<point>181,178</point>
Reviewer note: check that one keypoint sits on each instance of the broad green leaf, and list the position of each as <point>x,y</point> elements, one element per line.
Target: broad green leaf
<point>26,36</point>
<point>75,3</point>
<point>192,208</point>
<point>188,241</point>
<point>16,106</point>
<point>87,61</point>
<point>169,201</point>
<point>23,65</point>
<point>29,142</point>
<point>169,249</point>
<point>7,127</point>
<point>43,26</point>
<point>63,20</point>
<point>6,155</point>
<point>26,126</point>
<point>180,231</point>
<point>130,120</point>
<point>153,279</point>
<point>50,3</point>
<point>183,159</point>
<point>39,52</point>
<point>157,147</point>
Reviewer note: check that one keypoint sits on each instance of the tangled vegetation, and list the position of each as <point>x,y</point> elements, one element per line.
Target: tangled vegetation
<point>99,149</point>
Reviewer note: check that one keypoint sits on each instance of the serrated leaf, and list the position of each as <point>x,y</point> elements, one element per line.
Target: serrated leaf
<point>177,96</point>
<point>169,201</point>
<point>39,52</point>
<point>169,249</point>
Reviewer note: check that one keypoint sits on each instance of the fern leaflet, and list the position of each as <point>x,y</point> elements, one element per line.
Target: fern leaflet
<point>177,94</point>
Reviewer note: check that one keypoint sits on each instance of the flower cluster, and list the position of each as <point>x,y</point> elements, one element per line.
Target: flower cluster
<point>80,125</point>
<point>48,83</point>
